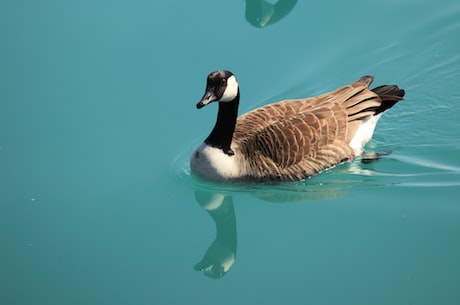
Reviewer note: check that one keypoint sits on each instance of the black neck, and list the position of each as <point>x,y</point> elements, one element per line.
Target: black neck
<point>222,133</point>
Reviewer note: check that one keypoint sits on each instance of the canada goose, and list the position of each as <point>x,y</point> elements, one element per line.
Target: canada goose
<point>289,140</point>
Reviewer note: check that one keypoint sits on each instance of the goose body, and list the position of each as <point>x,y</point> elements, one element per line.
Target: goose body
<point>288,140</point>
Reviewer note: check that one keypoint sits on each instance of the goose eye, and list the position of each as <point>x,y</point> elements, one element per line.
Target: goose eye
<point>223,81</point>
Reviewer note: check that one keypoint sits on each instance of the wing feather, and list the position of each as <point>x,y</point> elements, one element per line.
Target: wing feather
<point>301,137</point>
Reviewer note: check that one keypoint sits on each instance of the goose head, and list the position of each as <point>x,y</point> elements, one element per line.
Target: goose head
<point>221,86</point>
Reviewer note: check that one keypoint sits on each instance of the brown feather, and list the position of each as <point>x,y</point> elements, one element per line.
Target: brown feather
<point>295,139</point>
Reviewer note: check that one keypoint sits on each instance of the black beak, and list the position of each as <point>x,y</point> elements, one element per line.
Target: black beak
<point>207,98</point>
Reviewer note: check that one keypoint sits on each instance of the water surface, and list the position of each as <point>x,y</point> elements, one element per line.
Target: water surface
<point>98,120</point>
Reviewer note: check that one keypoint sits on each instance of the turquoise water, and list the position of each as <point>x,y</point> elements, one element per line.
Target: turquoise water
<point>98,120</point>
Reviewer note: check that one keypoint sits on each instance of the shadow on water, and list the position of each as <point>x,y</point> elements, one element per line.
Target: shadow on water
<point>261,13</point>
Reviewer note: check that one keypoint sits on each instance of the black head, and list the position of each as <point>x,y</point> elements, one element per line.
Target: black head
<point>221,86</point>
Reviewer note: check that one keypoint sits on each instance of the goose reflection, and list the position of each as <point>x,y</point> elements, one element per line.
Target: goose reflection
<point>261,13</point>
<point>221,254</point>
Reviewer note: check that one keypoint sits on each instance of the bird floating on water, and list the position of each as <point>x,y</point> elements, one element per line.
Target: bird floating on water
<point>290,140</point>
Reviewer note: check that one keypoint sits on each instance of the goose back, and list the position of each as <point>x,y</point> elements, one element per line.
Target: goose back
<point>295,139</point>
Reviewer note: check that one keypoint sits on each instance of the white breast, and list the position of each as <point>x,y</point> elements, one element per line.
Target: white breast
<point>213,164</point>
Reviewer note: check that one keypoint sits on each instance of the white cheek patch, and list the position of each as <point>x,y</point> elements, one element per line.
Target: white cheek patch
<point>231,91</point>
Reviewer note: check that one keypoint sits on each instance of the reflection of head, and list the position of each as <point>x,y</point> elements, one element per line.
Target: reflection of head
<point>261,13</point>
<point>215,267</point>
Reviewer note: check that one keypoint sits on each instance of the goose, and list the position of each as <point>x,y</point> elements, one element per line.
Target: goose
<point>289,140</point>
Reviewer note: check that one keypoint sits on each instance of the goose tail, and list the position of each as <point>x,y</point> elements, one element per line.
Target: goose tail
<point>362,126</point>
<point>390,95</point>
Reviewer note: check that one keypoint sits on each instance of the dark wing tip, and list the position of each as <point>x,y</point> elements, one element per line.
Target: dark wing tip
<point>367,79</point>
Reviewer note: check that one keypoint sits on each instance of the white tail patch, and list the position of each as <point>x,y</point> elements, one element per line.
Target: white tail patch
<point>364,133</point>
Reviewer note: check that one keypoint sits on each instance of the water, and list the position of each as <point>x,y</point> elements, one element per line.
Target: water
<point>98,120</point>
